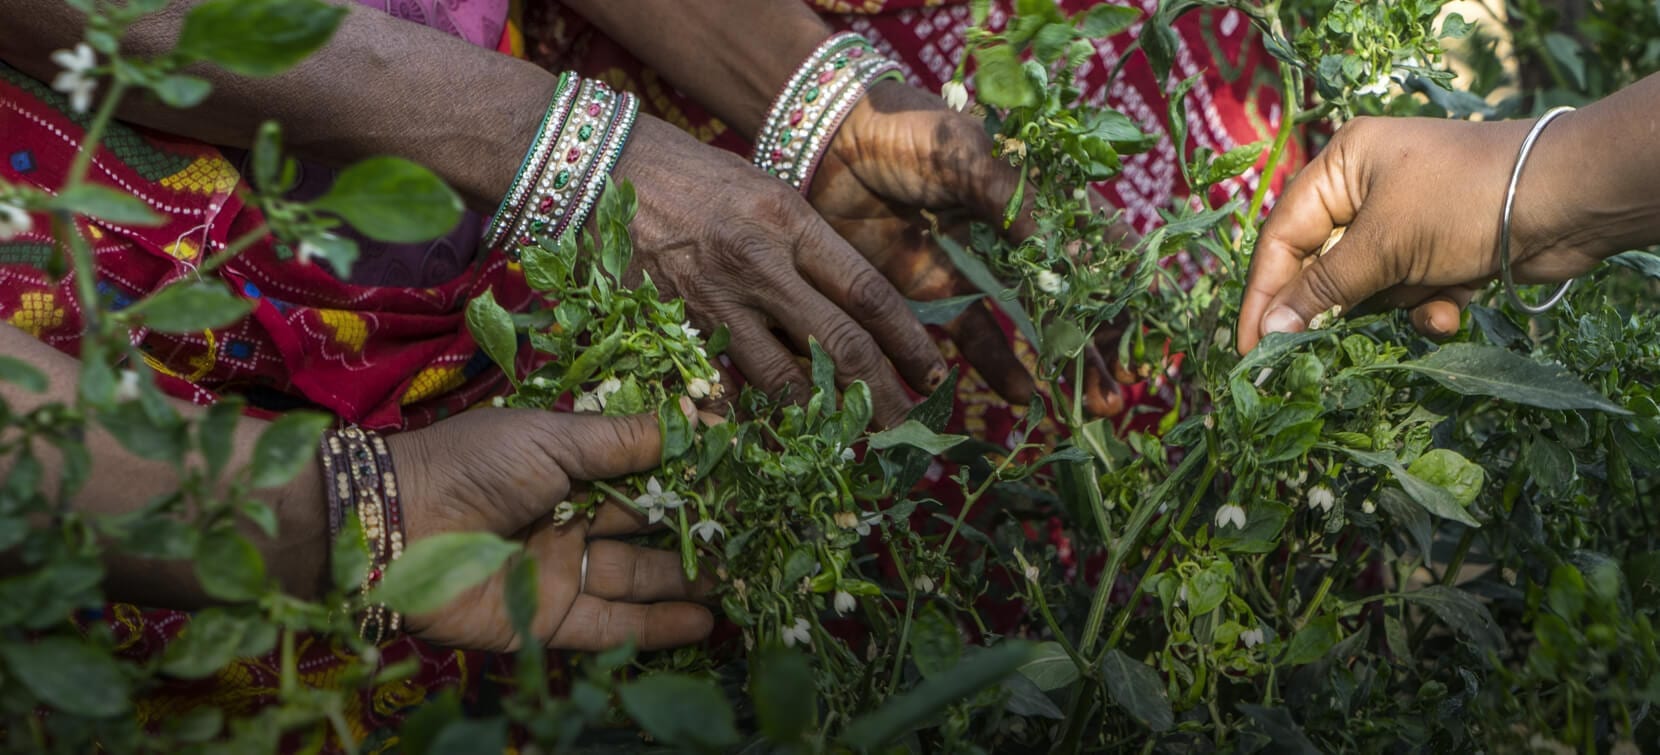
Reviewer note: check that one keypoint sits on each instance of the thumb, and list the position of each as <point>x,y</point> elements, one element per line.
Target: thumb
<point>1355,269</point>
<point>597,447</point>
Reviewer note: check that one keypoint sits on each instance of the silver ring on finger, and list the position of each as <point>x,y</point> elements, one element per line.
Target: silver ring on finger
<point>582,584</point>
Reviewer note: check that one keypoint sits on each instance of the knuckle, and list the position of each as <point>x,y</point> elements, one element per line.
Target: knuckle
<point>1324,286</point>
<point>871,297</point>
<point>855,351</point>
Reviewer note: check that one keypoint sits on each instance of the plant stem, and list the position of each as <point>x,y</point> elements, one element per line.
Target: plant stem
<point>1055,629</point>
<point>95,134</point>
<point>1290,101</point>
<point>973,498</point>
<point>904,628</point>
<point>233,249</point>
<point>1123,621</point>
<point>1319,597</point>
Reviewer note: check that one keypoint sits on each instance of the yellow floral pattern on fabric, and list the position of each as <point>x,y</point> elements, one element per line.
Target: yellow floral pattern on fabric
<point>349,329</point>
<point>197,366</point>
<point>184,250</point>
<point>432,381</point>
<point>207,176</point>
<point>37,311</point>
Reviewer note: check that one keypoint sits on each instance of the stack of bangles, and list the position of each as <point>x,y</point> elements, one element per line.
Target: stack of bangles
<point>357,472</point>
<point>568,165</point>
<point>805,117</point>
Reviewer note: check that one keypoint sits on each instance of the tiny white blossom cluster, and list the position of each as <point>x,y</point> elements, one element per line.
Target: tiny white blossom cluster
<point>955,95</point>
<point>657,502</point>
<point>74,80</point>
<point>594,401</point>
<point>1231,513</point>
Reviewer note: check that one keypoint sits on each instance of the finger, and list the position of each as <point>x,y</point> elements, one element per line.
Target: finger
<point>982,342</point>
<point>1441,315</point>
<point>763,360</point>
<point>630,573</point>
<point>844,277</point>
<point>1102,395</point>
<point>1315,204</point>
<point>596,447</point>
<point>1351,272</point>
<point>807,315</point>
<point>612,519</point>
<point>982,181</point>
<point>595,624</point>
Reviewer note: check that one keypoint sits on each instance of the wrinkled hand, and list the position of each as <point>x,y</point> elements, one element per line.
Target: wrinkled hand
<point>1419,201</point>
<point>745,251</point>
<point>902,151</point>
<point>504,471</point>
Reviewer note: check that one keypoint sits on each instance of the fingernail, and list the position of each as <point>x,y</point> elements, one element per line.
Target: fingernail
<point>936,376</point>
<point>1282,319</point>
<point>688,408</point>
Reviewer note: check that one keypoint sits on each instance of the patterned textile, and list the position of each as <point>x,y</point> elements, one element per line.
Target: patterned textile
<point>389,349</point>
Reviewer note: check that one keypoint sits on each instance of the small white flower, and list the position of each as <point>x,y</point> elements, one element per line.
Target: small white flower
<point>714,377</point>
<point>1252,637</point>
<point>14,221</point>
<point>498,402</point>
<point>1369,506</point>
<point>73,79</point>
<point>848,455</point>
<point>604,390</point>
<point>1379,86</point>
<point>655,502</point>
<point>1231,514</point>
<point>845,603</point>
<point>127,389</point>
<point>1325,319</point>
<point>1032,573</point>
<point>955,95</point>
<point>541,382</point>
<point>698,388</point>
<point>691,332</point>
<point>708,529</point>
<point>1080,194</point>
<point>563,513</point>
<point>1050,283</point>
<point>863,527</point>
<point>923,583</point>
<point>799,633</point>
<point>1223,338</point>
<point>587,402</point>
<point>307,252</point>
<point>846,519</point>
<point>1321,498</point>
<point>1181,594</point>
<point>1262,377</point>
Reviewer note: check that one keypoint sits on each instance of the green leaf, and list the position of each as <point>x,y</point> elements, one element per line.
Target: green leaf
<point>915,435</point>
<point>680,711</point>
<point>216,433</point>
<point>1236,161</point>
<point>1311,642</point>
<point>1463,613</point>
<point>1051,41</point>
<point>69,674</point>
<point>942,311</point>
<point>394,200</point>
<point>856,411</point>
<point>267,156</point>
<point>1062,340</point>
<point>1451,472</point>
<point>676,428</point>
<point>338,251</point>
<point>1105,19</point>
<point>435,570</point>
<point>1567,54</point>
<point>1434,498</point>
<point>1138,689</point>
<point>1000,79</point>
<point>190,307</point>
<point>1273,348</point>
<point>285,447</point>
<point>182,91</point>
<point>936,645</point>
<point>22,374</point>
<point>520,593</point>
<point>229,567</point>
<point>1286,737</point>
<point>492,328</point>
<point>824,371</point>
<point>144,435</point>
<point>978,274</point>
<point>258,37</point>
<point>905,712</point>
<point>616,208</point>
<point>1455,27</point>
<point>472,736</point>
<point>1262,530</point>
<point>784,694</point>
<point>104,203</point>
<point>349,555</point>
<point>1050,667</point>
<point>208,643</point>
<point>1473,370</point>
<point>1646,263</point>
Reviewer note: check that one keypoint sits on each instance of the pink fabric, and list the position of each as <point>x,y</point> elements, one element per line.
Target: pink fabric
<point>477,21</point>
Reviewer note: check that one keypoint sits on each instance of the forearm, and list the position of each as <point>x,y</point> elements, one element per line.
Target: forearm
<point>121,483</point>
<point>1599,174</point>
<point>382,86</point>
<point>733,57</point>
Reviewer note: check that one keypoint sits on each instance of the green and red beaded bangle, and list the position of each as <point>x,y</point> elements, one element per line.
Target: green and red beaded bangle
<point>579,143</point>
<point>815,101</point>
<point>360,481</point>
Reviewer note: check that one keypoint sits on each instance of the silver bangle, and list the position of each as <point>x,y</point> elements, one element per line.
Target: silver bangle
<point>1509,205</point>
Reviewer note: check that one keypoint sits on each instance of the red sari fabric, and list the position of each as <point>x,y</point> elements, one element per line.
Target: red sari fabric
<point>395,357</point>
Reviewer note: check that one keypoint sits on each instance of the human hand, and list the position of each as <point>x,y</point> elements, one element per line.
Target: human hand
<point>901,151</point>
<point>1419,201</point>
<point>504,471</point>
<point>745,251</point>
